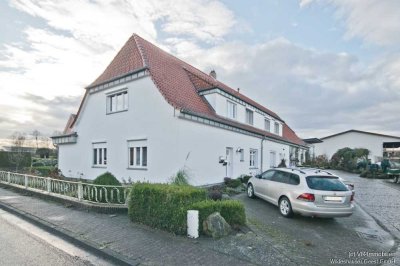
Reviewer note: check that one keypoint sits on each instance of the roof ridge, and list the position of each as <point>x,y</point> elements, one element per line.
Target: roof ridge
<point>141,50</point>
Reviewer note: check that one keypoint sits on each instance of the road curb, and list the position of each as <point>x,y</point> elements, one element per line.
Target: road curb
<point>69,236</point>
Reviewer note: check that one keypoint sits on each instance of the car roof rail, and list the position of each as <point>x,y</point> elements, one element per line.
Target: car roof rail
<point>296,169</point>
<point>320,171</point>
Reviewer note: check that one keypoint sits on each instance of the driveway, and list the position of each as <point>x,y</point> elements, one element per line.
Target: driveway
<point>314,241</point>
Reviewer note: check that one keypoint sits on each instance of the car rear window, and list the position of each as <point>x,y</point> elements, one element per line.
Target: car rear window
<point>326,183</point>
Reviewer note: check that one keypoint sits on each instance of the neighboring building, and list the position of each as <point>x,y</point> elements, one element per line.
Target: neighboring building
<point>150,114</point>
<point>311,146</point>
<point>374,142</point>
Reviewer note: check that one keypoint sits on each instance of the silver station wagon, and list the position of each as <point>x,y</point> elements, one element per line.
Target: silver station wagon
<point>309,192</point>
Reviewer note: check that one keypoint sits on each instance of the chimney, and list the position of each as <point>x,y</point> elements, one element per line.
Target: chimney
<point>213,74</point>
<point>238,90</point>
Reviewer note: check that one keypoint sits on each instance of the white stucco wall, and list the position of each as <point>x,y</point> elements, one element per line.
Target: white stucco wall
<point>353,140</point>
<point>172,142</point>
<point>219,103</point>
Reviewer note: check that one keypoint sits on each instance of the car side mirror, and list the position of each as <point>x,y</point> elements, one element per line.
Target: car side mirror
<point>258,176</point>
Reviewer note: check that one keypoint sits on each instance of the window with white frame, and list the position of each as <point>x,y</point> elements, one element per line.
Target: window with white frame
<point>99,154</point>
<point>253,162</point>
<point>277,128</point>
<point>231,110</point>
<point>267,124</point>
<point>137,154</point>
<point>117,102</point>
<point>249,116</point>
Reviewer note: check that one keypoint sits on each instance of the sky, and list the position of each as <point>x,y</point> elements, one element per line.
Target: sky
<point>323,66</point>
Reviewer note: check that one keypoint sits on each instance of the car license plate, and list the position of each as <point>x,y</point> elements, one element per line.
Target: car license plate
<point>332,198</point>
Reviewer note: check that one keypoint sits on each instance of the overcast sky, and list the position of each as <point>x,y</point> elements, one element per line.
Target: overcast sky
<point>323,66</point>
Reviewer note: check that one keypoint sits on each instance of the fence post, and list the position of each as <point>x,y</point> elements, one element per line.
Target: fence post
<point>26,181</point>
<point>48,184</point>
<point>8,177</point>
<point>80,191</point>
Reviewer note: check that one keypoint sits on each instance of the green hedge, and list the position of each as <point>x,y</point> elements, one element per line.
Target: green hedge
<point>232,211</point>
<point>163,206</point>
<point>7,159</point>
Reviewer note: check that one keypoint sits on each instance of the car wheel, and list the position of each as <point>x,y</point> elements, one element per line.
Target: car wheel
<point>250,191</point>
<point>285,208</point>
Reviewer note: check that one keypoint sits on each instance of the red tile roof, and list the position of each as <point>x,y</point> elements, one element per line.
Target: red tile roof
<point>180,83</point>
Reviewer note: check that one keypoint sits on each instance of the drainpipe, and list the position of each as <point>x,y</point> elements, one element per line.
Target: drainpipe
<point>262,153</point>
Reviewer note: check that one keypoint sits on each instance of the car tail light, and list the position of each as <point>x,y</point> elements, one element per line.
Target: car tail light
<point>352,196</point>
<point>306,197</point>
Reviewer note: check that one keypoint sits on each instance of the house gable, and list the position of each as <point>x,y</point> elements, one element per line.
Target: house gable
<point>185,87</point>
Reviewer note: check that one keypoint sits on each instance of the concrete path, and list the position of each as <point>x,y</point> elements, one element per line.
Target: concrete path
<point>381,199</point>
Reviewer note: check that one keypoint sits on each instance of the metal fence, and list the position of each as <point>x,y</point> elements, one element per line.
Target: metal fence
<point>77,190</point>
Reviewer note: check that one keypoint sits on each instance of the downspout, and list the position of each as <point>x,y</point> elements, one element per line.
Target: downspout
<point>262,153</point>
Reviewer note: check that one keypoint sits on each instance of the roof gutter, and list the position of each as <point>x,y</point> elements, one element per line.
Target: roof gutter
<point>252,133</point>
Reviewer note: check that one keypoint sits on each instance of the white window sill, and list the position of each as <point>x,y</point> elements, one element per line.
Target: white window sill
<point>99,166</point>
<point>110,113</point>
<point>253,168</point>
<point>137,168</point>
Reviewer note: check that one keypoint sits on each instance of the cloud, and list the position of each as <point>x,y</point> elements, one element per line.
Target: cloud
<point>373,21</point>
<point>317,93</point>
<point>39,113</point>
<point>79,40</point>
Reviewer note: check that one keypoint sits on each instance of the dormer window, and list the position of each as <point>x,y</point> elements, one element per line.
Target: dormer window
<point>117,102</point>
<point>277,128</point>
<point>249,116</point>
<point>231,110</point>
<point>267,125</point>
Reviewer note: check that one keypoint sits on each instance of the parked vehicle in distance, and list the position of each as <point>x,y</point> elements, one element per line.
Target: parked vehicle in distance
<point>309,192</point>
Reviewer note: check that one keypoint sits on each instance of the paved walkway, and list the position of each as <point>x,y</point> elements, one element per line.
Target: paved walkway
<point>141,244</point>
<point>381,199</point>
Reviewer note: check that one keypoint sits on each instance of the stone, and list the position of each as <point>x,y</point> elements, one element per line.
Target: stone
<point>216,226</point>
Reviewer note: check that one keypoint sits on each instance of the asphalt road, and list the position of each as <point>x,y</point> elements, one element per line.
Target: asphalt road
<point>24,244</point>
<point>317,241</point>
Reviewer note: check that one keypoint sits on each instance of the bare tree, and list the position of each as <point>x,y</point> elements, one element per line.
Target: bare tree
<point>36,134</point>
<point>17,154</point>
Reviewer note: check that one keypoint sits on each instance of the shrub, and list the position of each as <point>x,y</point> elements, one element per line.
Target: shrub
<point>181,178</point>
<point>364,173</point>
<point>233,183</point>
<point>47,171</point>
<point>108,179</point>
<point>245,178</point>
<point>163,206</point>
<point>232,211</point>
<point>214,194</point>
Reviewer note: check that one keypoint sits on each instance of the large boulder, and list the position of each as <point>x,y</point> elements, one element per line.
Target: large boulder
<point>216,226</point>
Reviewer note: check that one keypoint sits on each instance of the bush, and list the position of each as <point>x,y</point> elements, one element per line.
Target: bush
<point>163,206</point>
<point>46,171</point>
<point>108,179</point>
<point>232,211</point>
<point>181,178</point>
<point>8,160</point>
<point>214,194</point>
<point>245,178</point>
<point>233,183</point>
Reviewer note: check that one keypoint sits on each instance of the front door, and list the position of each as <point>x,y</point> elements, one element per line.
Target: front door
<point>229,160</point>
<point>272,159</point>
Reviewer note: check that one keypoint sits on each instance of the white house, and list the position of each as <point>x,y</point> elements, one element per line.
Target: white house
<point>149,114</point>
<point>376,143</point>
